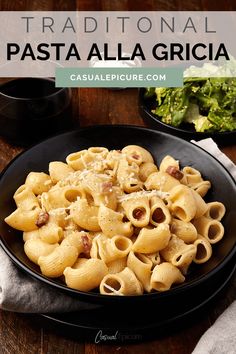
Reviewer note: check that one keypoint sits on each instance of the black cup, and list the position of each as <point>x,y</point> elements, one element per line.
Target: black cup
<point>32,109</point>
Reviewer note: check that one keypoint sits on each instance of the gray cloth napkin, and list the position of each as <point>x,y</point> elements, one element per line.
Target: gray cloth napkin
<point>220,338</point>
<point>210,146</point>
<point>21,293</point>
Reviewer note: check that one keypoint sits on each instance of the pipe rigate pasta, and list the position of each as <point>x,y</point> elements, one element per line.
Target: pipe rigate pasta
<point>97,152</point>
<point>137,211</point>
<point>215,210</point>
<point>79,239</point>
<point>212,229</point>
<point>128,177</point>
<point>23,220</point>
<point>59,170</point>
<point>111,223</point>
<point>164,275</point>
<point>159,212</point>
<point>61,197</point>
<point>192,175</point>
<point>39,182</point>
<point>85,215</point>
<point>117,265</point>
<point>179,253</point>
<point>204,250</point>
<point>54,264</point>
<point>141,265</point>
<point>116,221</point>
<point>112,160</point>
<point>137,153</point>
<point>99,188</point>
<point>201,188</point>
<point>110,249</point>
<point>86,276</point>
<point>146,169</point>
<point>35,248</point>
<point>152,240</point>
<point>154,257</point>
<point>186,231</point>
<point>122,283</point>
<point>161,181</point>
<point>168,161</point>
<point>51,233</point>
<point>25,198</point>
<point>79,160</point>
<point>195,181</point>
<point>183,202</point>
<point>201,206</point>
<point>59,217</point>
<point>30,235</point>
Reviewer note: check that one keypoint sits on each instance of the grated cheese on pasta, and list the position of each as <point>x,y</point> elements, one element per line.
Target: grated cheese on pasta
<point>140,194</point>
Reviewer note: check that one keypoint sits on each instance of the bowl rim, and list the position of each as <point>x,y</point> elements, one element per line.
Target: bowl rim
<point>114,298</point>
<point>57,91</point>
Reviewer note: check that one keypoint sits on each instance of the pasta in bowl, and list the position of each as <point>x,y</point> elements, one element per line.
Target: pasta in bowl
<point>116,221</point>
<point>46,160</point>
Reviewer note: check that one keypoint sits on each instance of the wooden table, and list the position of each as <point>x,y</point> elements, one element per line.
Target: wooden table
<point>19,333</point>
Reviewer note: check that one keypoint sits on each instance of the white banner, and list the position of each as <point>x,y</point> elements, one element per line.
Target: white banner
<point>35,43</point>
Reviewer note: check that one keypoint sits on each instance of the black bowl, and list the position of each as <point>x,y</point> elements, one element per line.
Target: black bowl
<point>185,131</point>
<point>115,137</point>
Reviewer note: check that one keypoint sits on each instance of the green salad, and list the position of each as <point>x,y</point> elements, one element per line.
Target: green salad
<point>208,103</point>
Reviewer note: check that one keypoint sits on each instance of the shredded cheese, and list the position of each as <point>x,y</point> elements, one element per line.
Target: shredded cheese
<point>141,194</point>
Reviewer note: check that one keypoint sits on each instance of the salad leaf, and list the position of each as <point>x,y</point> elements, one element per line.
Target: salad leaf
<point>150,91</point>
<point>202,124</point>
<point>208,103</point>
